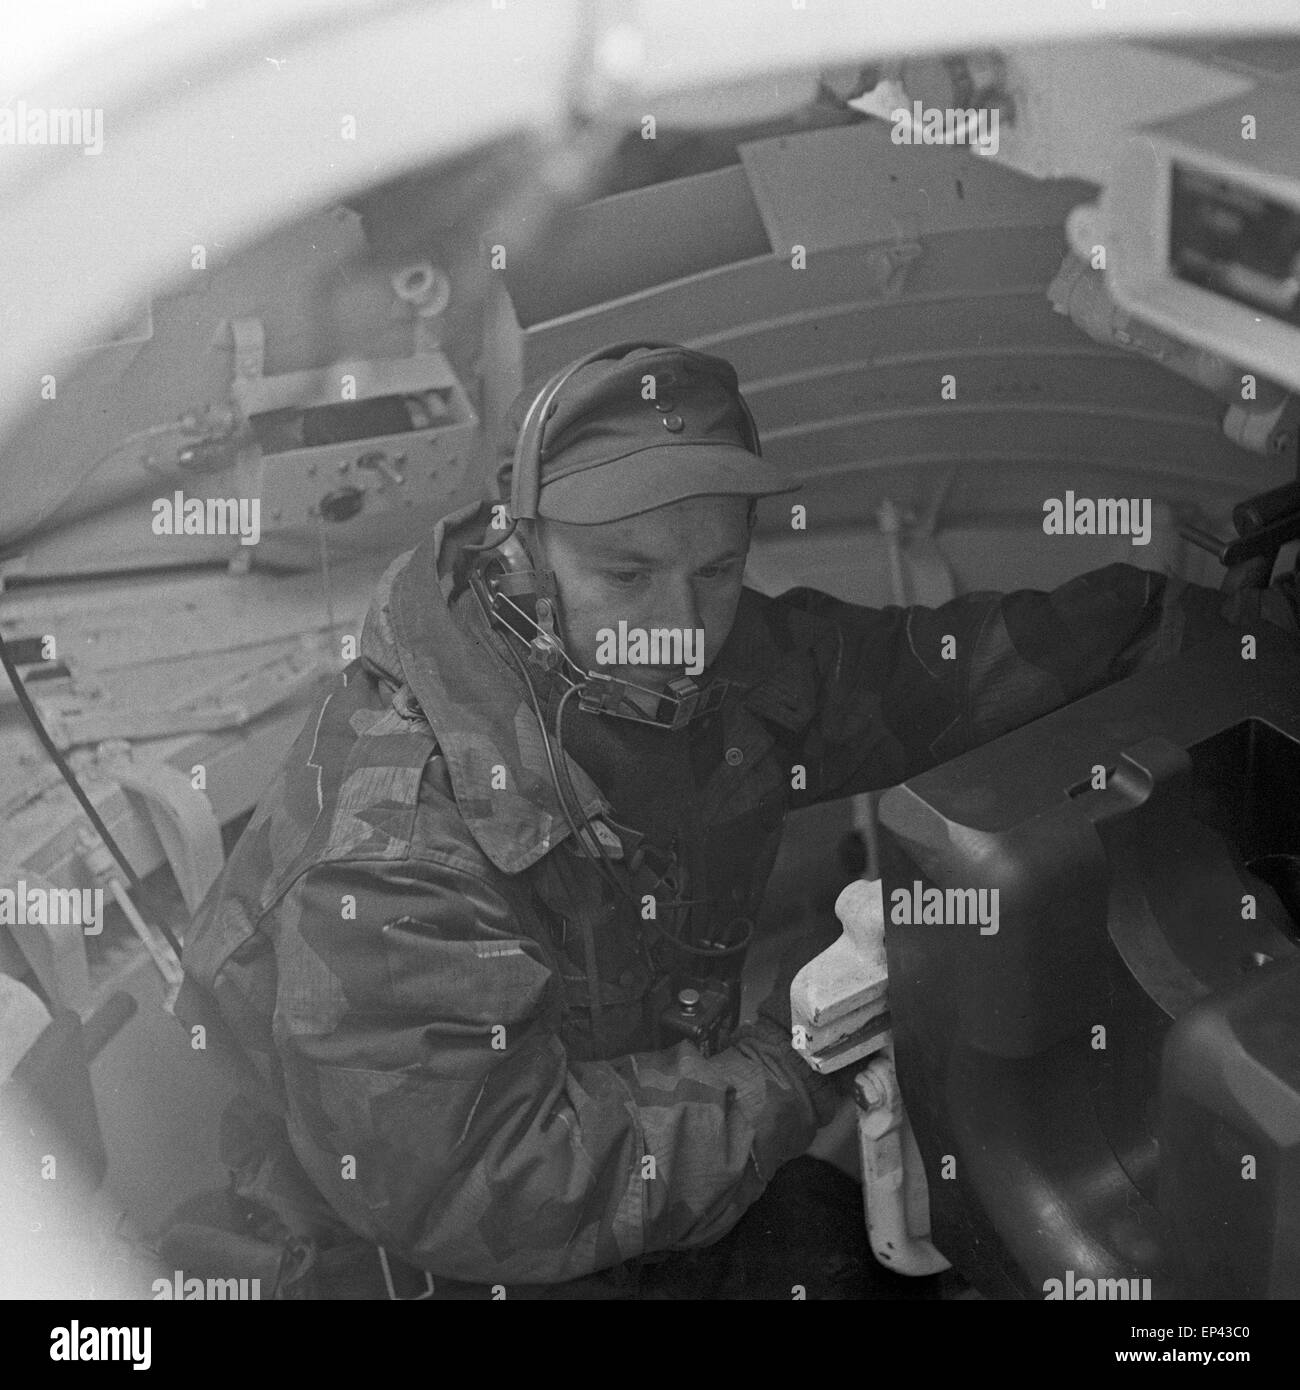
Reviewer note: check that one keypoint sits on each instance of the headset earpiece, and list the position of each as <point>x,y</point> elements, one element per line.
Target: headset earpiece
<point>522,596</point>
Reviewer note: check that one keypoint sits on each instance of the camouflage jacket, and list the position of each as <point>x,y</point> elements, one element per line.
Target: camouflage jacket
<point>387,948</point>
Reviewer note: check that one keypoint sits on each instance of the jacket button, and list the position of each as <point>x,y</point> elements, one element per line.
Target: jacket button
<point>734,757</point>
<point>627,979</point>
<point>673,423</point>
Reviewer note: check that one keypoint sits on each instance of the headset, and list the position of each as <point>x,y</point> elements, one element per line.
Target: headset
<point>519,597</point>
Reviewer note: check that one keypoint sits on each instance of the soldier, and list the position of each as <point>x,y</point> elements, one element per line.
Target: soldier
<point>479,947</point>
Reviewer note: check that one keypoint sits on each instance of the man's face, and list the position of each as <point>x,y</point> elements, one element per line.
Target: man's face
<point>678,567</point>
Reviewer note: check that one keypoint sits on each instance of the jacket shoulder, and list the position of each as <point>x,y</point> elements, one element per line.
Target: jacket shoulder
<point>365,780</point>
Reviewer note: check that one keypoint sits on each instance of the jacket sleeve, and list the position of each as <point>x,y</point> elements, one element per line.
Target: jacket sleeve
<point>903,689</point>
<point>431,1100</point>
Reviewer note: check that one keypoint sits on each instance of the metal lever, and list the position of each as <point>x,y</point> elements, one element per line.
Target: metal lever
<point>1264,523</point>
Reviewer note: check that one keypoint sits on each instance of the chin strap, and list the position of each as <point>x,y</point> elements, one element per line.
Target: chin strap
<point>521,600</point>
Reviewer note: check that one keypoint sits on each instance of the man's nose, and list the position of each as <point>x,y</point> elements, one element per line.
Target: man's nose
<point>675,606</point>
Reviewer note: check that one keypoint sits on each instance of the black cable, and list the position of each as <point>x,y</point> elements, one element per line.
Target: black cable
<point>588,940</point>
<point>541,721</point>
<point>678,906</point>
<point>559,772</point>
<point>60,762</point>
<point>570,801</point>
<point>563,765</point>
<point>604,862</point>
<point>560,780</point>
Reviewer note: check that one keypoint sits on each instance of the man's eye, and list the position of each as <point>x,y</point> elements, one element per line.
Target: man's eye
<point>716,571</point>
<point>623,577</point>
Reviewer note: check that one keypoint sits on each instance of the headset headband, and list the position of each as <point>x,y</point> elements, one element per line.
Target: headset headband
<point>526,472</point>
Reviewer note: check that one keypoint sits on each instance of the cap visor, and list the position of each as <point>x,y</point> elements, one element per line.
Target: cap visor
<point>659,477</point>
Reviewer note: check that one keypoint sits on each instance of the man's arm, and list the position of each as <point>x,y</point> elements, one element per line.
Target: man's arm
<point>480,1150</point>
<point>904,689</point>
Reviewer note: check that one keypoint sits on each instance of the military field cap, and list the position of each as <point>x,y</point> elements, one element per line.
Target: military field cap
<point>613,450</point>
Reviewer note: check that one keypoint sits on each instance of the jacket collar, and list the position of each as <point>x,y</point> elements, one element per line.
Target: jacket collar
<point>482,719</point>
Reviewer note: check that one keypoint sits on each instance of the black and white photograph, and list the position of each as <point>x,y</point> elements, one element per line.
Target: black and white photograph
<point>651,653</point>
